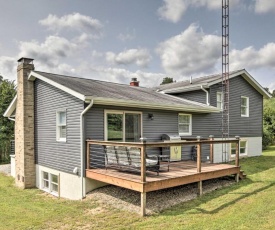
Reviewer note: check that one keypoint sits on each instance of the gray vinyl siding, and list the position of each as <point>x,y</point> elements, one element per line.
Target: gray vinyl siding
<point>62,156</point>
<point>163,122</point>
<point>211,124</point>
<point>197,95</point>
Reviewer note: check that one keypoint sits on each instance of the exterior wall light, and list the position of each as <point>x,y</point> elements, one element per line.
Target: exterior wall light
<point>151,116</point>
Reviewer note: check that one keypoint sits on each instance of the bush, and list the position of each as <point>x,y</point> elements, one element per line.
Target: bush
<point>267,138</point>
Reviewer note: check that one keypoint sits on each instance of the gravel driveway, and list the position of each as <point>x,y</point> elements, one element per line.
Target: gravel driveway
<point>6,169</point>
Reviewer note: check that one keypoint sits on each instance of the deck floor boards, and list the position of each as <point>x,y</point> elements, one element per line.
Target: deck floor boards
<point>182,172</point>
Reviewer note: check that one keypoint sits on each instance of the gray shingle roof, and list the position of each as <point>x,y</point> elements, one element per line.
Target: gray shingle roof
<point>103,89</point>
<point>198,80</point>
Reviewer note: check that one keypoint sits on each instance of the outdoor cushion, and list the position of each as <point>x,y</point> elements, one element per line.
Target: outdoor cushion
<point>110,155</point>
<point>150,162</point>
<point>134,155</point>
<point>122,155</point>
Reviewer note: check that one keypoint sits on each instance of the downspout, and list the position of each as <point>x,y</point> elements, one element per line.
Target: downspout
<point>207,95</point>
<point>82,146</point>
<point>11,119</point>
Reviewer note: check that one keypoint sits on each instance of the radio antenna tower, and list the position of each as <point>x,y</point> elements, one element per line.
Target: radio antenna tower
<point>225,78</point>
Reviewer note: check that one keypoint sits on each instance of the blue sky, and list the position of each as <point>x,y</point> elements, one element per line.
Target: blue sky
<point>120,39</point>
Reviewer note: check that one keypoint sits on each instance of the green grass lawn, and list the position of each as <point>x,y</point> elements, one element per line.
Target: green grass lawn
<point>249,204</point>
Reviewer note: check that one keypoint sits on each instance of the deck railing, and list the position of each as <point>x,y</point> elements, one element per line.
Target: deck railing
<point>133,157</point>
<point>97,153</point>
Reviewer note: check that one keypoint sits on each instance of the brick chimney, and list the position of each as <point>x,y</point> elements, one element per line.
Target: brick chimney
<point>24,126</point>
<point>134,82</point>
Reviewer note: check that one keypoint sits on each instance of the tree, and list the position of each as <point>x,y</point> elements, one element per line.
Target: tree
<point>7,93</point>
<point>167,80</point>
<point>269,121</point>
<point>271,93</point>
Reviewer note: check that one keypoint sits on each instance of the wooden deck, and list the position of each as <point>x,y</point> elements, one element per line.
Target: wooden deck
<point>180,173</point>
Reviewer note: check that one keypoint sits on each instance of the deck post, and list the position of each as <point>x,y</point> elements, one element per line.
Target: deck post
<point>237,155</point>
<point>143,160</point>
<point>199,164</point>
<point>143,203</point>
<point>211,138</point>
<point>143,176</point>
<point>88,155</point>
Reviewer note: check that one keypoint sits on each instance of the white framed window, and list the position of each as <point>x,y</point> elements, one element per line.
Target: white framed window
<point>219,100</point>
<point>244,106</point>
<point>61,125</point>
<point>123,126</point>
<point>50,183</point>
<point>185,124</point>
<point>242,148</point>
<point>45,180</point>
<point>54,184</point>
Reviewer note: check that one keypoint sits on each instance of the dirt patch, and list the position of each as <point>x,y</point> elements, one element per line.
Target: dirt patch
<point>157,201</point>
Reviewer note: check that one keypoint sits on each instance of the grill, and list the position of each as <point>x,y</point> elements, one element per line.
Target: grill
<point>173,151</point>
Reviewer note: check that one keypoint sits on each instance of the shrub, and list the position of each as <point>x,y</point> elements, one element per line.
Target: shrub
<point>267,138</point>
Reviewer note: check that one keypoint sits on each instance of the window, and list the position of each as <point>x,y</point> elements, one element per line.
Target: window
<point>54,183</point>
<point>61,128</point>
<point>45,184</point>
<point>50,183</point>
<point>185,124</point>
<point>242,150</point>
<point>122,126</point>
<point>244,106</point>
<point>219,100</point>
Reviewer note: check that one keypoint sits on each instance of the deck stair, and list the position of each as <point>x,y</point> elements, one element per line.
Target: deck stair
<point>242,175</point>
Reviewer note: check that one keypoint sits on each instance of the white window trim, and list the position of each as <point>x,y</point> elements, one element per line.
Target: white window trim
<point>240,154</point>
<point>123,112</point>
<point>58,139</point>
<point>219,101</point>
<point>49,189</point>
<point>190,125</point>
<point>247,108</point>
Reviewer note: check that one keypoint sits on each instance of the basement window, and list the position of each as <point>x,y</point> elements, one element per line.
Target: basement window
<point>50,183</point>
<point>61,126</point>
<point>242,150</point>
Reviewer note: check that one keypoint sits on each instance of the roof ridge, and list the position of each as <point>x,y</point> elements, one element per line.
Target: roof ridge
<point>207,76</point>
<point>89,79</point>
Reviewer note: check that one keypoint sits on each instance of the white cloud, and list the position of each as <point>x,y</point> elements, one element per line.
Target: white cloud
<point>127,36</point>
<point>48,52</point>
<point>140,57</point>
<point>264,6</point>
<point>121,75</point>
<point>173,10</point>
<point>271,87</point>
<point>252,58</point>
<point>8,67</point>
<point>192,51</point>
<point>74,22</point>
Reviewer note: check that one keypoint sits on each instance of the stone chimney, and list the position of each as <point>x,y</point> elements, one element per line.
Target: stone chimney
<point>24,126</point>
<point>134,82</point>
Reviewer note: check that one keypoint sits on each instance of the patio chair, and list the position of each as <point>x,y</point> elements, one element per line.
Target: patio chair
<point>110,156</point>
<point>152,162</point>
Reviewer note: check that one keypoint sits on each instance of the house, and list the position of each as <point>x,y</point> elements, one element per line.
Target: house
<point>55,114</point>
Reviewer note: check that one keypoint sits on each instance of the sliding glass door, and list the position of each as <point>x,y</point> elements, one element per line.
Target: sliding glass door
<point>122,126</point>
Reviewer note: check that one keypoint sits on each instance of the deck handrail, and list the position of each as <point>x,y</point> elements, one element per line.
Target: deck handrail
<point>160,144</point>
